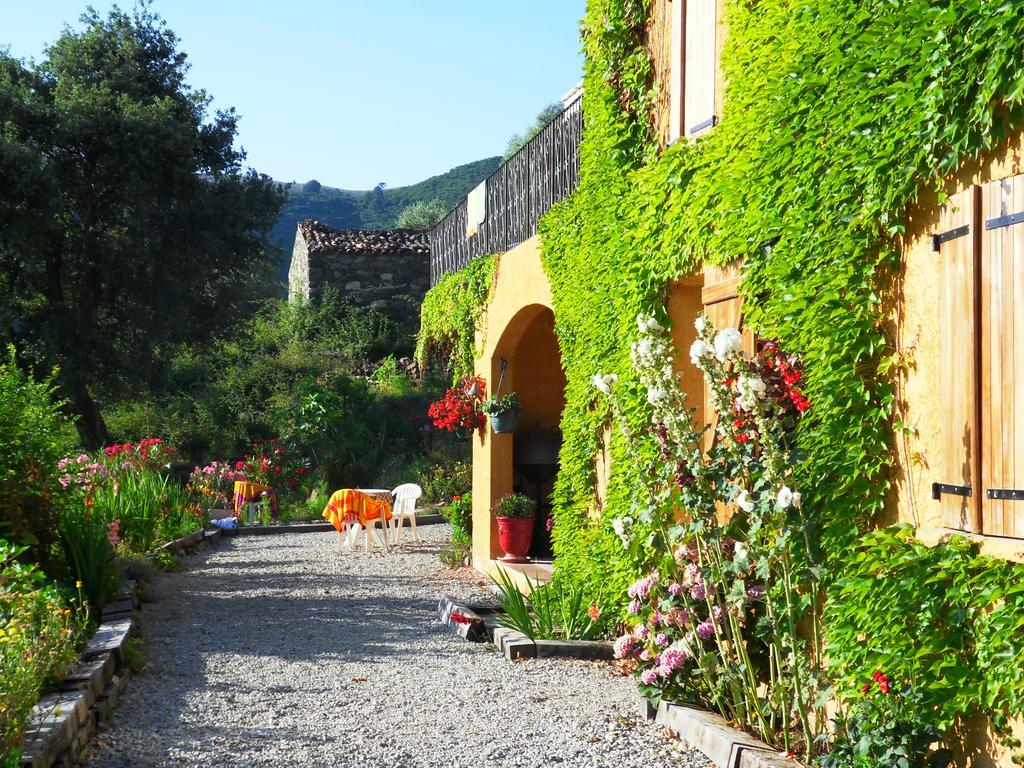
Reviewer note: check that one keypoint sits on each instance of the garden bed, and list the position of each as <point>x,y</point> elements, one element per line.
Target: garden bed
<point>63,722</point>
<point>479,624</point>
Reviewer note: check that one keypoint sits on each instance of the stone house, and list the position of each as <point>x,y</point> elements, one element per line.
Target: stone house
<point>387,268</point>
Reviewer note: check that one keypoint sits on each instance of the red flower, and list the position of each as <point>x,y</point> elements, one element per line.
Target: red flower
<point>239,465</point>
<point>456,498</point>
<point>460,618</point>
<point>883,686</point>
<point>875,677</point>
<point>865,688</point>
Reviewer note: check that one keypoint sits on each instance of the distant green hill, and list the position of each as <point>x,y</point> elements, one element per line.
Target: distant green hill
<point>375,209</point>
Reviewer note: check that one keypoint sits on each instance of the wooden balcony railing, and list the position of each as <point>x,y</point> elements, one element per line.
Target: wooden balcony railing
<point>521,190</point>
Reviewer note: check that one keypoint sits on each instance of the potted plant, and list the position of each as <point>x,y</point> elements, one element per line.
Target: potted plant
<point>504,412</point>
<point>515,513</point>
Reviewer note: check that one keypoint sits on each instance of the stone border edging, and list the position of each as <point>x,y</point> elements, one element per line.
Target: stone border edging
<point>725,746</point>
<point>62,723</point>
<point>513,643</point>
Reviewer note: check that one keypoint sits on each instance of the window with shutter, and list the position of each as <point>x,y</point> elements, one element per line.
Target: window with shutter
<point>1002,357</point>
<point>700,64</point>
<point>956,242</point>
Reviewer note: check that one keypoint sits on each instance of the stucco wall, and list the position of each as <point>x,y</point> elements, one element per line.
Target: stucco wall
<point>916,301</point>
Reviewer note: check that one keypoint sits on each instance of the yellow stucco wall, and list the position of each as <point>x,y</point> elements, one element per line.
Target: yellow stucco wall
<point>916,301</point>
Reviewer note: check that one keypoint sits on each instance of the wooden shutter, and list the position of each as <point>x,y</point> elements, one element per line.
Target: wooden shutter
<point>701,64</point>
<point>956,243</point>
<point>1002,357</point>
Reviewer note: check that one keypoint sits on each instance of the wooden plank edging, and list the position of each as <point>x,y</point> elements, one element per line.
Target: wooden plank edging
<point>724,745</point>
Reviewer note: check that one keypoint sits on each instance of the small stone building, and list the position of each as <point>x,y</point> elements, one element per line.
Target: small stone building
<point>385,268</point>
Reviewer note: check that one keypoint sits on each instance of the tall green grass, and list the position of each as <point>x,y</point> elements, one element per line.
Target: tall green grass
<point>550,611</point>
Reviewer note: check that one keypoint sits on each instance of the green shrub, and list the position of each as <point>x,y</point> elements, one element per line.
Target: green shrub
<point>459,513</point>
<point>443,481</point>
<point>38,633</point>
<point>34,436</point>
<point>554,610</point>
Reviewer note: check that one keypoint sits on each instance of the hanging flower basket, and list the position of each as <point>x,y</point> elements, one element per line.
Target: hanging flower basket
<point>504,412</point>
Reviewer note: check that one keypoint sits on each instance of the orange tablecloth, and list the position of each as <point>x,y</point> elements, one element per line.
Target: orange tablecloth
<point>246,492</point>
<point>352,506</point>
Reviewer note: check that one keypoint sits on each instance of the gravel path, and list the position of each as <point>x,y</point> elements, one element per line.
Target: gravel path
<point>279,651</point>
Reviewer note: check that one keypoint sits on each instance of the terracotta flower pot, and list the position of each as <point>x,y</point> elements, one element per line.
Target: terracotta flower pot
<point>515,535</point>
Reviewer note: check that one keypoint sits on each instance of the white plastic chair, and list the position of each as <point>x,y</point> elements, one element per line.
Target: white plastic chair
<point>404,508</point>
<point>256,512</point>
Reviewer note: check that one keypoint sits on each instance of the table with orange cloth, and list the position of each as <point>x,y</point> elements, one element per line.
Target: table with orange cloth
<point>350,505</point>
<point>246,492</point>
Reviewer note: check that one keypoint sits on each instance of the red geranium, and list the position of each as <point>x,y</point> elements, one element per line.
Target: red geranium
<point>460,406</point>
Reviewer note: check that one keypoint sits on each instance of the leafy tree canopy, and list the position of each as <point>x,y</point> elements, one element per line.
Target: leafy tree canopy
<point>423,214</point>
<point>545,116</point>
<point>126,220</point>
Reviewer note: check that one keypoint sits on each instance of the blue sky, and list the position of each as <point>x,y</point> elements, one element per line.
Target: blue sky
<point>355,92</point>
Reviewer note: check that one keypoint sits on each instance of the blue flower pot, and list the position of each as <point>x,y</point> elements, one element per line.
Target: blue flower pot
<point>504,422</point>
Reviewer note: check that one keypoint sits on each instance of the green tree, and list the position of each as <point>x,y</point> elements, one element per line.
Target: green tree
<point>545,116</point>
<point>126,220</point>
<point>311,187</point>
<point>423,214</point>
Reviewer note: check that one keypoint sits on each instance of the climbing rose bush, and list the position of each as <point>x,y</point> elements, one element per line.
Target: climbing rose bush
<point>723,541</point>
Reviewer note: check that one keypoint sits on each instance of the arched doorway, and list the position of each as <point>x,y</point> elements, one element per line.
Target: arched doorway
<point>528,362</point>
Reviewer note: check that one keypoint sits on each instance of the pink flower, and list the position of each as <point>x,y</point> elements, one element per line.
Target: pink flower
<point>706,629</point>
<point>635,606</point>
<point>698,592</point>
<point>646,655</point>
<point>671,661</point>
<point>675,589</point>
<point>642,587</point>
<point>640,631</point>
<point>648,676</point>
<point>756,592</point>
<point>661,639</point>
<point>624,646</point>
<point>657,618</point>
<point>114,532</point>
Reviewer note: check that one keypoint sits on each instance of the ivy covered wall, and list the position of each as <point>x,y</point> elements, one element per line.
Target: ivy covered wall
<point>839,115</point>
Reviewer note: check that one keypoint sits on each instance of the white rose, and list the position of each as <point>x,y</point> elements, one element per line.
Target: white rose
<point>796,499</point>
<point>641,322</point>
<point>653,325</point>
<point>753,385</point>
<point>610,380</point>
<point>727,341</point>
<point>643,347</point>
<point>700,323</point>
<point>655,395</point>
<point>600,383</point>
<point>698,350</point>
<point>740,550</point>
<point>785,497</point>
<point>744,502</point>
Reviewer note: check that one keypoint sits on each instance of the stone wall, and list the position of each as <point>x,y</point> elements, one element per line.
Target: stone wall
<point>389,269</point>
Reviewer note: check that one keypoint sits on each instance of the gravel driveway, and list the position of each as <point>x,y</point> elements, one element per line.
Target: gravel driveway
<point>279,651</point>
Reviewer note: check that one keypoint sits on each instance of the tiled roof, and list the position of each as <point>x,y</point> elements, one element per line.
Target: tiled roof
<point>321,238</point>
